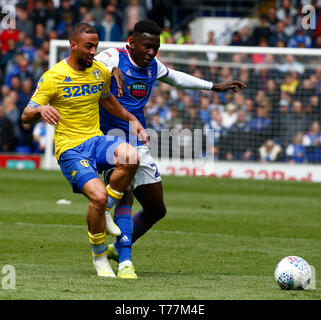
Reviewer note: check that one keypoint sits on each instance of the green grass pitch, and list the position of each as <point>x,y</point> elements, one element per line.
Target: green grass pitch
<point>221,239</point>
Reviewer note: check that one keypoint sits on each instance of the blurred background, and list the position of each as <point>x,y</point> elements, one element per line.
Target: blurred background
<point>276,119</point>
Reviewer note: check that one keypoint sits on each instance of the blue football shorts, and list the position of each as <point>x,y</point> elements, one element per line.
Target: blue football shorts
<point>84,162</point>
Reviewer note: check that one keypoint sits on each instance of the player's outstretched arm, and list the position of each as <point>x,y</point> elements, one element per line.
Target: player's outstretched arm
<point>231,85</point>
<point>183,80</point>
<point>112,105</point>
<point>48,113</point>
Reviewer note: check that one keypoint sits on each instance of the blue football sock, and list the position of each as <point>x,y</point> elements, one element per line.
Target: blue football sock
<point>140,225</point>
<point>124,220</point>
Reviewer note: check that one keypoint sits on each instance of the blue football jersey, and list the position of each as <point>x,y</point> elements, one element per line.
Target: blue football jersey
<point>138,88</point>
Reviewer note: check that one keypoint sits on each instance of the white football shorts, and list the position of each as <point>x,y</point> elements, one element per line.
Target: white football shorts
<point>147,171</point>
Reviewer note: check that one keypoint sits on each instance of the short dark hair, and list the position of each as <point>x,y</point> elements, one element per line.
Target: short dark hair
<point>79,28</point>
<point>147,26</point>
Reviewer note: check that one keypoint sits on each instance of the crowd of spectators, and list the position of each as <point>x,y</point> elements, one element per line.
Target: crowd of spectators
<point>277,118</point>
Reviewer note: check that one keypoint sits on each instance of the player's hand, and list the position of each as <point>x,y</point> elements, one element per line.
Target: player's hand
<point>119,77</point>
<point>139,131</point>
<point>49,114</point>
<point>231,85</point>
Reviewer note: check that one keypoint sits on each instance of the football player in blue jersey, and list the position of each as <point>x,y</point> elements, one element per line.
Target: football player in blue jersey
<point>136,69</point>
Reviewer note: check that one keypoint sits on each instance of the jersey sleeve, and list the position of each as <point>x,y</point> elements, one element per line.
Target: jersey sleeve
<point>109,57</point>
<point>185,81</point>
<point>44,92</point>
<point>162,70</point>
<point>105,93</point>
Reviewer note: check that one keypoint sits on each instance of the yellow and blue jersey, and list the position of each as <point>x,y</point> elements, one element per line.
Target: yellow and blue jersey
<point>75,95</point>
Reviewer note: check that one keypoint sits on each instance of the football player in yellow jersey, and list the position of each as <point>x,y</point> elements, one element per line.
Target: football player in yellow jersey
<point>68,96</point>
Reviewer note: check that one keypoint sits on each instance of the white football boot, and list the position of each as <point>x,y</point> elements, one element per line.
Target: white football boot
<point>111,228</point>
<point>103,267</point>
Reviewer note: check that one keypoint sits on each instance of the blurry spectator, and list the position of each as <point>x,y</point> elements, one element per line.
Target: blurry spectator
<point>304,91</point>
<point>111,30</point>
<point>214,132</point>
<point>82,11</point>
<point>24,22</point>
<point>40,64</point>
<point>296,151</point>
<point>97,11</point>
<point>185,37</point>
<point>184,142</point>
<point>211,55</point>
<point>278,35</point>
<point>291,65</point>
<point>39,137</point>
<point>272,18</point>
<point>193,119</point>
<point>64,27</point>
<point>317,42</point>
<point>9,56</point>
<point>52,16</point>
<point>273,92</point>
<point>286,10</point>
<point>5,36</point>
<point>162,109</point>
<point>229,116</point>
<point>261,31</point>
<point>216,103</point>
<point>39,36</point>
<point>7,139</point>
<point>315,104</point>
<point>166,32</point>
<point>237,140</point>
<point>261,127</point>
<point>270,152</point>
<point>88,18</point>
<point>300,40</point>
<point>15,83</point>
<point>133,12</point>
<point>66,8</point>
<point>28,50</point>
<point>174,121</point>
<point>290,83</point>
<point>11,111</point>
<point>312,143</point>
<point>289,28</point>
<point>293,122</point>
<point>114,8</point>
<point>236,39</point>
<point>20,68</point>
<point>249,109</point>
<point>260,57</point>
<point>24,95</point>
<point>155,123</point>
<point>204,103</point>
<point>245,36</point>
<point>39,13</point>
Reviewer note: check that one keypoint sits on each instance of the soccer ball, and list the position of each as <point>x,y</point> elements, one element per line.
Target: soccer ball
<point>292,273</point>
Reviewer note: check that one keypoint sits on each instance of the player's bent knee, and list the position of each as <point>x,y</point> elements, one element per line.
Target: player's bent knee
<point>99,199</point>
<point>125,154</point>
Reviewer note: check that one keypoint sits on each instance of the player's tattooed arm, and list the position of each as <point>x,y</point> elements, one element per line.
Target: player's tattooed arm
<point>119,77</point>
<point>48,113</point>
